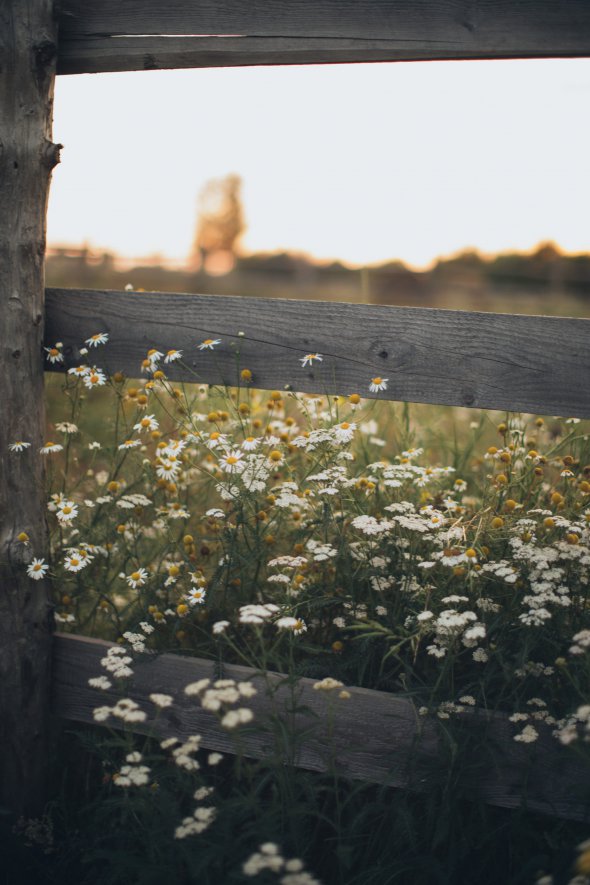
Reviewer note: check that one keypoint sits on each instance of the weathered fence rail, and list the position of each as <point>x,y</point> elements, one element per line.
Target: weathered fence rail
<point>482,360</point>
<point>107,35</point>
<point>376,736</point>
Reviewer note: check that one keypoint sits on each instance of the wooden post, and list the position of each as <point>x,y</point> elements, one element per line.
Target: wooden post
<point>28,50</point>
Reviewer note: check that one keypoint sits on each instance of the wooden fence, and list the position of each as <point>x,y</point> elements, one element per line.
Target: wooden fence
<point>534,364</point>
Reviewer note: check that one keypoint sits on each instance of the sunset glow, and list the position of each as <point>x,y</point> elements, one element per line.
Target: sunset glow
<point>364,163</point>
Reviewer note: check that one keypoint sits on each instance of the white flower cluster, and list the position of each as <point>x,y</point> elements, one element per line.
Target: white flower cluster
<point>257,613</point>
<point>132,774</point>
<point>268,857</point>
<point>320,551</point>
<point>117,662</point>
<point>216,697</point>
<point>200,821</point>
<point>576,725</point>
<point>125,708</point>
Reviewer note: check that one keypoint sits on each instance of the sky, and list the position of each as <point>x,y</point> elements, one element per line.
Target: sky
<point>364,163</point>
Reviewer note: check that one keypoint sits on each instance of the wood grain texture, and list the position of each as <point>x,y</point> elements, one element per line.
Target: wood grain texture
<point>480,360</point>
<point>316,31</point>
<point>376,736</point>
<point>95,55</point>
<point>28,49</point>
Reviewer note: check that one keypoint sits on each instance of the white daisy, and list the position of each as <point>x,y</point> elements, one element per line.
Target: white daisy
<point>308,359</point>
<point>137,579</point>
<point>50,448</point>
<point>18,445</point>
<point>37,569</point>
<point>232,462</point>
<point>173,355</point>
<point>148,423</point>
<point>95,340</point>
<point>94,378</point>
<point>54,354</point>
<point>130,444</point>
<point>378,383</point>
<point>209,343</point>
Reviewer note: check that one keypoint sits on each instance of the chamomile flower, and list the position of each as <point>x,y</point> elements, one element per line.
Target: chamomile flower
<point>54,354</point>
<point>378,383</point>
<point>130,444</point>
<point>309,358</point>
<point>137,579</point>
<point>50,448</point>
<point>66,427</point>
<point>167,469</point>
<point>344,432</point>
<point>148,423</point>
<point>232,462</point>
<point>79,371</point>
<point>173,355</point>
<point>18,445</point>
<point>66,511</point>
<point>209,343</point>
<point>37,569</point>
<point>75,562</point>
<point>196,595</point>
<point>251,443</point>
<point>95,340</point>
<point>94,378</point>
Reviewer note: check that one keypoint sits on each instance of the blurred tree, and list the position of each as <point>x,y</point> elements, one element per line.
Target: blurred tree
<point>220,223</point>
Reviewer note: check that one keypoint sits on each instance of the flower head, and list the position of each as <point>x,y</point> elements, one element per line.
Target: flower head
<point>94,378</point>
<point>50,448</point>
<point>209,343</point>
<point>18,445</point>
<point>137,579</point>
<point>95,340</point>
<point>37,569</point>
<point>309,358</point>
<point>54,354</point>
<point>378,383</point>
<point>172,355</point>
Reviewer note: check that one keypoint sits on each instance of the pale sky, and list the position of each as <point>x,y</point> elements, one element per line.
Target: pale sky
<point>364,163</point>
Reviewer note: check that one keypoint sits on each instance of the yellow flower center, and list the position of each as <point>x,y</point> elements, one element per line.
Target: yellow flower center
<point>136,576</point>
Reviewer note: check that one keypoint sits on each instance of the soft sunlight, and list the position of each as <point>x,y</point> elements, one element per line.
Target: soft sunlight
<point>361,162</point>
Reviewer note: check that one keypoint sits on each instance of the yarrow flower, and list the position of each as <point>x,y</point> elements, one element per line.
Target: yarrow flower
<point>209,343</point>
<point>95,340</point>
<point>308,359</point>
<point>378,384</point>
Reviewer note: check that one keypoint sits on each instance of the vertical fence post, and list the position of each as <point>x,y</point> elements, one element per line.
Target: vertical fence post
<point>28,50</point>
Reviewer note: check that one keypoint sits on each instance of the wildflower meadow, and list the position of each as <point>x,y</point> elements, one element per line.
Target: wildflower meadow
<point>440,555</point>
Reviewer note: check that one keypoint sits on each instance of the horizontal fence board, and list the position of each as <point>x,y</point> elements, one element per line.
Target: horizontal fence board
<point>480,360</point>
<point>316,31</point>
<point>376,736</point>
<point>95,55</point>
